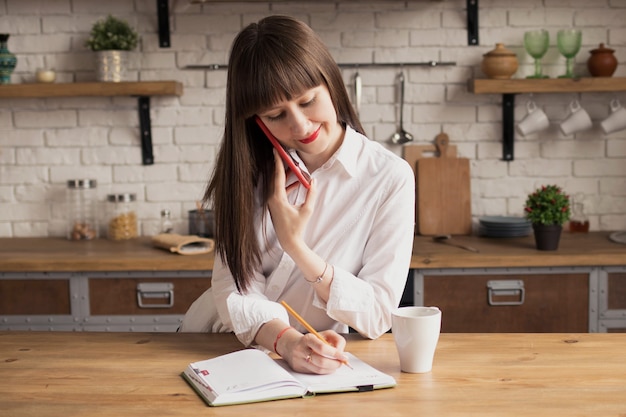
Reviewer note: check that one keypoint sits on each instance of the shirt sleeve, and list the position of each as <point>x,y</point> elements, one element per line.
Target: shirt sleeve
<point>245,314</point>
<point>365,301</point>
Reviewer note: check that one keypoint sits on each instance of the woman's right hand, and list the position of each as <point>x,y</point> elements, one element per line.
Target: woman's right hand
<point>289,221</point>
<point>308,354</point>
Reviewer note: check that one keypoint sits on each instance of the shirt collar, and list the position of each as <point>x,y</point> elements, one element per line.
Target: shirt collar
<point>347,153</point>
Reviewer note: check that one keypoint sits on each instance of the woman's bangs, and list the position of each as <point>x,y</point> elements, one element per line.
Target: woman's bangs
<point>276,81</point>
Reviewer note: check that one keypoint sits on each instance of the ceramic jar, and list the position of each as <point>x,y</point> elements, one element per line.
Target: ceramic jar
<point>602,62</point>
<point>7,60</point>
<point>500,63</point>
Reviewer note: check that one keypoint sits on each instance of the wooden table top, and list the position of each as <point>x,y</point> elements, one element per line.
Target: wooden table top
<point>62,255</point>
<point>138,374</point>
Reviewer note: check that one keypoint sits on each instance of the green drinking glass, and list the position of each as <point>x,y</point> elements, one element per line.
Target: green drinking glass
<point>536,43</point>
<point>568,41</point>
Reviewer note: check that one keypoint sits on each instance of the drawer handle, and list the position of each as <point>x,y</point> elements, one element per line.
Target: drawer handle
<point>505,288</point>
<point>151,290</point>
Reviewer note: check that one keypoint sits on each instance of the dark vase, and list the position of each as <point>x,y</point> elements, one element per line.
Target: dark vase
<point>7,60</point>
<point>547,237</point>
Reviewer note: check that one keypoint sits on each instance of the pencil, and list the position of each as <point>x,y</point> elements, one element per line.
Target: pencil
<point>309,328</point>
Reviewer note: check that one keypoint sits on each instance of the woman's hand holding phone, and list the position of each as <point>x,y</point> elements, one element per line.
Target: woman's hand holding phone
<point>302,176</point>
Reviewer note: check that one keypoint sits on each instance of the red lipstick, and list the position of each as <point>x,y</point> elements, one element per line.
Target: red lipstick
<point>312,137</point>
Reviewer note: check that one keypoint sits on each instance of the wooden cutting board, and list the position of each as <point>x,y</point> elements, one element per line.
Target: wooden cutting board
<point>442,196</point>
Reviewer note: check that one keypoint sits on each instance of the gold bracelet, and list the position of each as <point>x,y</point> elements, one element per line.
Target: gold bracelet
<point>319,278</point>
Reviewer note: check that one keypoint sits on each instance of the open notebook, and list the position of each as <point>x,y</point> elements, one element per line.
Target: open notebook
<point>250,375</point>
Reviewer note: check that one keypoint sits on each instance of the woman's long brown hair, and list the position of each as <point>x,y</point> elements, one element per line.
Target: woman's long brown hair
<point>276,59</point>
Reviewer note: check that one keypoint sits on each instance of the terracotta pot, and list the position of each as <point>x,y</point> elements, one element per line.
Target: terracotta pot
<point>500,63</point>
<point>547,237</point>
<point>602,62</point>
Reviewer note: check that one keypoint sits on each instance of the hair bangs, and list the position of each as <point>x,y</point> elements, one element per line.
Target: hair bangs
<point>273,75</point>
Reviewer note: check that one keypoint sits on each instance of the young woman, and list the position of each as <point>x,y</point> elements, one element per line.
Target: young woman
<point>338,253</point>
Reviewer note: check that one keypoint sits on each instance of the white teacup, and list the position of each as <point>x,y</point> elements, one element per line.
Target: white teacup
<point>577,121</point>
<point>617,120</point>
<point>416,333</point>
<point>535,121</point>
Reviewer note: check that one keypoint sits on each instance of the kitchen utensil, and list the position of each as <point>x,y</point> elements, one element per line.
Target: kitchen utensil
<point>447,239</point>
<point>401,136</point>
<point>442,198</point>
<point>358,86</point>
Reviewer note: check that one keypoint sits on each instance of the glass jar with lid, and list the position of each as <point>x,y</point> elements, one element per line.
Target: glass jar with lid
<point>166,221</point>
<point>81,209</point>
<point>121,216</point>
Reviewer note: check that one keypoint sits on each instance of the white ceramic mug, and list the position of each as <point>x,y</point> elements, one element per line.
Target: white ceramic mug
<point>416,333</point>
<point>617,120</point>
<point>577,121</point>
<point>535,121</point>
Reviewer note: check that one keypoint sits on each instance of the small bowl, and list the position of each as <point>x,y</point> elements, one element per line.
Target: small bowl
<point>45,76</point>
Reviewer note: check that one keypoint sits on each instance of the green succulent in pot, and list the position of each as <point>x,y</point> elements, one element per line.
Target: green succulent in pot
<point>112,34</point>
<point>548,205</point>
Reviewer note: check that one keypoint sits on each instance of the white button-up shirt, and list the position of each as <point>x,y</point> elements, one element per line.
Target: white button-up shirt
<point>362,225</point>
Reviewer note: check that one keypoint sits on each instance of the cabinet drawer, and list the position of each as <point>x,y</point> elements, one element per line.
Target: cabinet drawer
<point>35,296</point>
<point>149,296</point>
<point>549,302</point>
<point>617,291</point>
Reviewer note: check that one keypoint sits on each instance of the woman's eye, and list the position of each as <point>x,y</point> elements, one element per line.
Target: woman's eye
<point>308,103</point>
<point>275,118</point>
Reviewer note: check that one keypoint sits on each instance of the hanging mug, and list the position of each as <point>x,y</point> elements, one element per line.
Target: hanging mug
<point>616,120</point>
<point>535,121</point>
<point>577,121</point>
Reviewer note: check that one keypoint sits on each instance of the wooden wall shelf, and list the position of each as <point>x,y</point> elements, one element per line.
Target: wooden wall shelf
<point>548,85</point>
<point>508,89</point>
<point>142,90</point>
<point>41,90</point>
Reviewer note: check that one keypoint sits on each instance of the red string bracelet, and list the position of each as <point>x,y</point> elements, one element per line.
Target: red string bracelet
<point>282,332</point>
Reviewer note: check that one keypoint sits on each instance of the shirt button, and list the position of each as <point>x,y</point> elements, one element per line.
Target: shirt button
<point>274,288</point>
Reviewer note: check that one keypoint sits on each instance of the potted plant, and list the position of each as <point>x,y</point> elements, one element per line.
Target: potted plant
<point>111,39</point>
<point>547,208</point>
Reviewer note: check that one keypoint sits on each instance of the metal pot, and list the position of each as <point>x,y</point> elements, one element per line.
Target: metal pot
<point>111,65</point>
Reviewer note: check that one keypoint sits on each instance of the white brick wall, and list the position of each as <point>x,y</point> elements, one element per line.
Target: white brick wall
<point>44,142</point>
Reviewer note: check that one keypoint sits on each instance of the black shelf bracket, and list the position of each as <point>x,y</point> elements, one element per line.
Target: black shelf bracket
<point>164,23</point>
<point>145,130</point>
<point>472,22</point>
<point>508,129</point>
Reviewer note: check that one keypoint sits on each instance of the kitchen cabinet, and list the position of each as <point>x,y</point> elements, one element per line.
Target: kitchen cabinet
<point>143,90</point>
<point>508,89</point>
<point>102,285</point>
<point>612,300</point>
<point>97,301</point>
<point>579,287</point>
<point>98,285</point>
<point>514,301</point>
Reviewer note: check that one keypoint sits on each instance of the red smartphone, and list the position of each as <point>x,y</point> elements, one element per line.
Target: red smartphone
<point>302,176</point>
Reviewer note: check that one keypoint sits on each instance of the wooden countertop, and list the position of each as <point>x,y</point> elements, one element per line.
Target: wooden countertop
<point>51,374</point>
<point>61,255</point>
<point>575,249</point>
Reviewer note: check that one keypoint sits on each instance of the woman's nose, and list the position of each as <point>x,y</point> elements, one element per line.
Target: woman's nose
<point>298,123</point>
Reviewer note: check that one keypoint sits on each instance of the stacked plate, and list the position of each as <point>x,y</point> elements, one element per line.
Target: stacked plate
<point>503,226</point>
